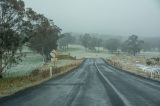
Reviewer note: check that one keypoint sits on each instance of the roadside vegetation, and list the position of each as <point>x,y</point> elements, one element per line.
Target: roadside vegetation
<point>10,85</point>
<point>28,38</point>
<point>136,64</point>
<point>21,26</point>
<point>138,56</point>
<point>134,56</point>
<point>130,54</point>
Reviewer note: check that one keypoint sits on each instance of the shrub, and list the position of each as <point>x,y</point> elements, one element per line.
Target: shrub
<point>153,61</point>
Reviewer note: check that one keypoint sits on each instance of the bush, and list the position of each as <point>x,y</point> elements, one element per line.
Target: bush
<point>148,62</point>
<point>153,61</point>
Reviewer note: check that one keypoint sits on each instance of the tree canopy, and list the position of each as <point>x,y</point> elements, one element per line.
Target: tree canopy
<point>133,45</point>
<point>19,26</point>
<point>12,35</point>
<point>90,42</point>
<point>45,35</point>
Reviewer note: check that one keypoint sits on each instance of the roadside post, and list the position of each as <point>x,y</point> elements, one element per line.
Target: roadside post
<point>50,72</point>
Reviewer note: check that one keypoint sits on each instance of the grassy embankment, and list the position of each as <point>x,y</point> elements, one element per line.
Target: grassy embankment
<point>129,63</point>
<point>31,72</point>
<point>13,84</point>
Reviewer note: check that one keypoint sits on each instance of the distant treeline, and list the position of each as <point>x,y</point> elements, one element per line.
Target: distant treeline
<point>132,45</point>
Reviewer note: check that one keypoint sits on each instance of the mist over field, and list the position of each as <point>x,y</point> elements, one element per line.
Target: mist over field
<point>112,17</point>
<point>80,52</point>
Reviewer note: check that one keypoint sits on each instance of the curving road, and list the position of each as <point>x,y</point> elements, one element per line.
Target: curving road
<point>93,83</point>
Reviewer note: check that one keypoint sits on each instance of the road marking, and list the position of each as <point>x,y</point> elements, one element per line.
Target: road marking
<point>123,98</point>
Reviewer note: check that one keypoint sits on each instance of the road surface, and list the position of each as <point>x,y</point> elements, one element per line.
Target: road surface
<point>93,83</point>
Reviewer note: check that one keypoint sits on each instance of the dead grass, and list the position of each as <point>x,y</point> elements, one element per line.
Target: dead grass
<point>128,63</point>
<point>9,86</point>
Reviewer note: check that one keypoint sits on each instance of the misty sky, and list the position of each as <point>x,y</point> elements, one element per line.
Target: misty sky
<point>116,17</point>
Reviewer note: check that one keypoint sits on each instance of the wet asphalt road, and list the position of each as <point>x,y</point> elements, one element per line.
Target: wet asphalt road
<point>93,83</point>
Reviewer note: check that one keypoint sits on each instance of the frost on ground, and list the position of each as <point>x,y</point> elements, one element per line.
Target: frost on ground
<point>137,65</point>
<point>29,63</point>
<point>149,68</point>
<point>80,52</point>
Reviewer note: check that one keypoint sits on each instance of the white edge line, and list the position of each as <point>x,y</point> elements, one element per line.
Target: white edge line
<point>124,99</point>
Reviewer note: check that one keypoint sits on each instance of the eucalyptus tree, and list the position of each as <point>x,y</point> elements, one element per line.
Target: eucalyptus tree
<point>13,24</point>
<point>65,40</point>
<point>85,40</point>
<point>133,45</point>
<point>45,34</point>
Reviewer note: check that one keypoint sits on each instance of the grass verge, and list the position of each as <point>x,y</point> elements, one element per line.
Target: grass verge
<point>9,86</point>
<point>128,63</point>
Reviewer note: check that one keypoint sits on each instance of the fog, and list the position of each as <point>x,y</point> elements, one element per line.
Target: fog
<point>114,17</point>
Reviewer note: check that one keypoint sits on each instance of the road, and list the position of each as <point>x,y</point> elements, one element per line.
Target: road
<point>93,83</point>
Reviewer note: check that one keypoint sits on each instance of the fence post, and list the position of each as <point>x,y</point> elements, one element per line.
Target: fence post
<point>50,72</point>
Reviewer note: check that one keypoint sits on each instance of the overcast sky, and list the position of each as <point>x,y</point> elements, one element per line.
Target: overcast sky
<point>117,17</point>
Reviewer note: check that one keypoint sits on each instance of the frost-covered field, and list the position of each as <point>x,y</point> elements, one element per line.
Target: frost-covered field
<point>34,60</point>
<point>150,54</point>
<point>149,68</point>
<point>80,52</point>
<point>137,64</point>
<point>29,63</point>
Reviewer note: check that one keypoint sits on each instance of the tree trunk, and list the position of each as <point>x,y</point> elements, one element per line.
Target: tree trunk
<point>44,57</point>
<point>1,66</point>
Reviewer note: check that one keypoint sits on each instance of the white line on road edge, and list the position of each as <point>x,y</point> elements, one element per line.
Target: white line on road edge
<point>124,99</point>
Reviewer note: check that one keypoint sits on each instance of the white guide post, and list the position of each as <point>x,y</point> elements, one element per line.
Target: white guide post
<point>50,72</point>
